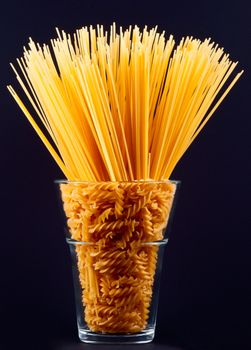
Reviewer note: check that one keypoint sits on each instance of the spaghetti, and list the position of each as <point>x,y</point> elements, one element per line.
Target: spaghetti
<point>122,108</point>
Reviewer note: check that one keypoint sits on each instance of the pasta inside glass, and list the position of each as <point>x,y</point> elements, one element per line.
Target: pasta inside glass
<point>116,234</point>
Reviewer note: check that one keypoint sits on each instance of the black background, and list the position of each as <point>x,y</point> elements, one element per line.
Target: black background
<point>205,295</point>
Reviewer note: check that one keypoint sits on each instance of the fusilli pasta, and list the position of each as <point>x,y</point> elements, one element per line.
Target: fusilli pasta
<point>116,270</point>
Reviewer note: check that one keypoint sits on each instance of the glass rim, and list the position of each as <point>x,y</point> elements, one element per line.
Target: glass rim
<point>71,241</point>
<point>65,181</point>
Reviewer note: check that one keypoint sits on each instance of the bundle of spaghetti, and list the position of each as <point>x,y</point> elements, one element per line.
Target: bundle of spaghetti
<point>113,110</point>
<point>117,267</point>
<point>125,107</point>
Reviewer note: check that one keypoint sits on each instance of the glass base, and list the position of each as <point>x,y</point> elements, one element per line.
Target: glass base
<point>143,337</point>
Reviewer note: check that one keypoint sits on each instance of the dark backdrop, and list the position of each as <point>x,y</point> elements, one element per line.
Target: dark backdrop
<point>205,296</point>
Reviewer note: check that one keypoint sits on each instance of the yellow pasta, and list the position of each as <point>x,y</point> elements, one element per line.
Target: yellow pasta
<point>122,108</point>
<point>117,113</point>
<point>116,269</point>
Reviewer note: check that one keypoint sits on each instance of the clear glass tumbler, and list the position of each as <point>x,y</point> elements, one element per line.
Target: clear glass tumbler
<point>117,232</point>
